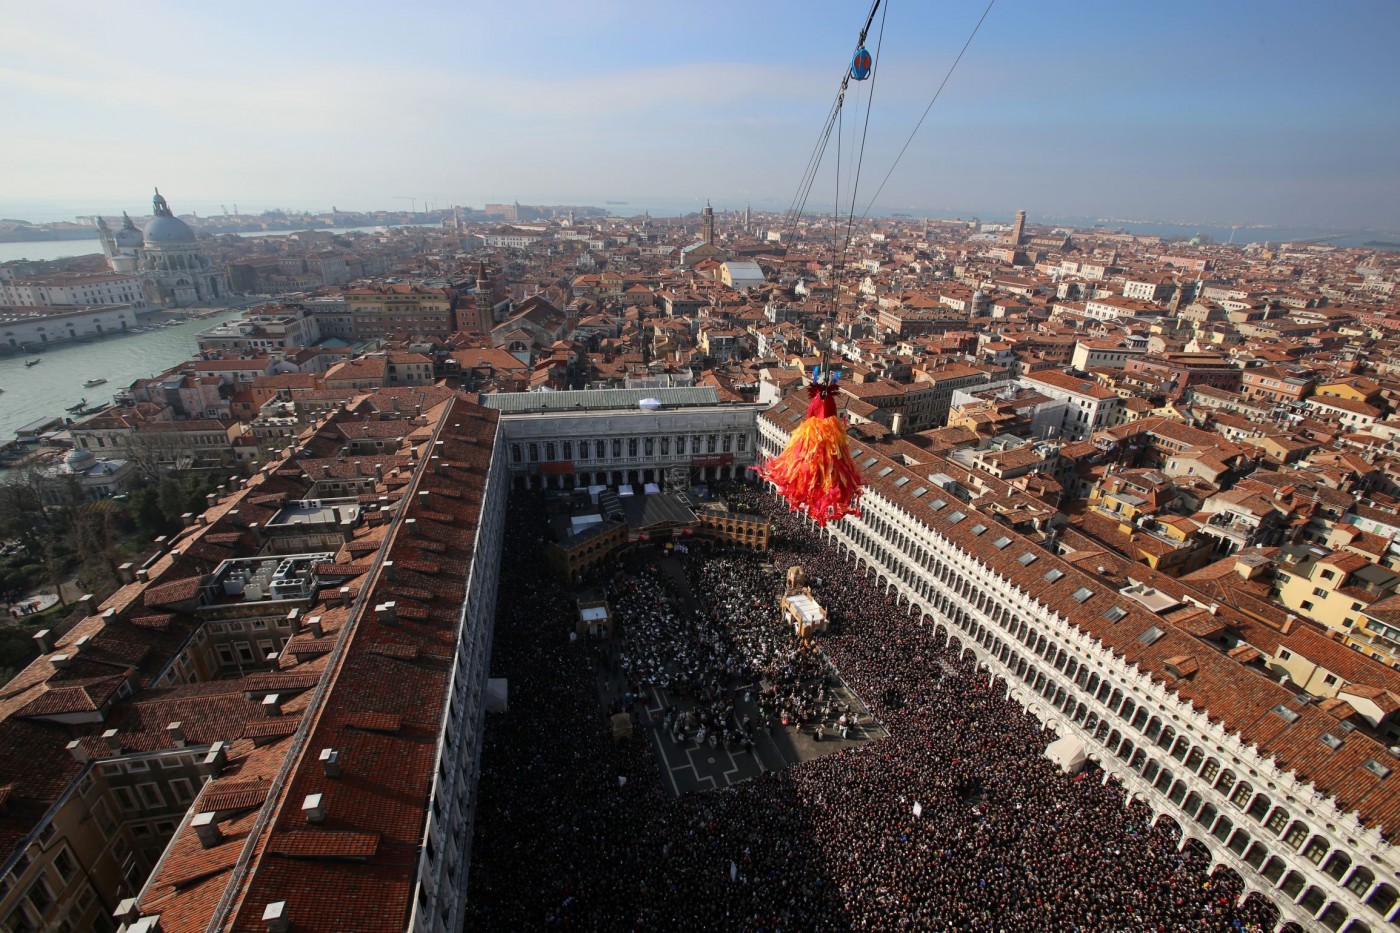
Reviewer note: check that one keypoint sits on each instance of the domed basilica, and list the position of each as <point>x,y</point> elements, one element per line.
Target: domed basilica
<point>174,272</point>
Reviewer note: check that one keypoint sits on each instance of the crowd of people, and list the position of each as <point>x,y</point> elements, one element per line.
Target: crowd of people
<point>955,821</point>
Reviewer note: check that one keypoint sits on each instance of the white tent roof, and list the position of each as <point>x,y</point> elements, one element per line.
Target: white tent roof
<point>1068,753</point>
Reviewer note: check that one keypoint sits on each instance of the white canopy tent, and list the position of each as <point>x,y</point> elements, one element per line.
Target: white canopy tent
<point>1068,753</point>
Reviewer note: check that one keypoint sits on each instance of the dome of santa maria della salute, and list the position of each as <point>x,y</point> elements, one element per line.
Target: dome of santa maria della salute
<point>165,229</point>
<point>173,271</point>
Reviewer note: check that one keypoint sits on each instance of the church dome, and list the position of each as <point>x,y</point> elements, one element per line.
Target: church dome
<point>168,231</point>
<point>165,229</point>
<point>79,460</point>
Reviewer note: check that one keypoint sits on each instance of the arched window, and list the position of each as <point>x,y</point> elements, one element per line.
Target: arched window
<point>1360,881</point>
<point>1241,795</point>
<point>1297,834</point>
<point>1315,850</point>
<point>1277,821</point>
<point>1211,769</point>
<point>1338,865</point>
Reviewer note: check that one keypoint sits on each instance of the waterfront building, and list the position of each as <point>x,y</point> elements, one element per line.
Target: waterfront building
<point>32,326</point>
<point>262,330</point>
<point>76,288</point>
<point>1155,684</point>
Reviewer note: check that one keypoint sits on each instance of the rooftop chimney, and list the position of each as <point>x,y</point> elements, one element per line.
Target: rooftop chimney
<point>86,603</point>
<point>272,704</point>
<point>213,763</point>
<point>275,917</point>
<point>330,761</point>
<point>79,753</point>
<point>344,595</point>
<point>44,639</point>
<point>311,806</point>
<point>113,740</point>
<point>149,924</point>
<point>175,732</point>
<point>143,575</point>
<point>126,910</point>
<point>207,829</point>
<point>124,573</point>
<point>313,625</point>
<point>387,613</point>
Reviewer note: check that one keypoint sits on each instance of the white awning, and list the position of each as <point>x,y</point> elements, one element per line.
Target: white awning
<point>1068,753</point>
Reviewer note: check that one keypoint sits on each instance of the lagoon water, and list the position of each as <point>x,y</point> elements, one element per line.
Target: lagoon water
<point>49,388</point>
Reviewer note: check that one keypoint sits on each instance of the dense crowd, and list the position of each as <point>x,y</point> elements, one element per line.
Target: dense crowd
<point>956,821</point>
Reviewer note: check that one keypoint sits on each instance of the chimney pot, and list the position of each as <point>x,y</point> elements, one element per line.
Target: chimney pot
<point>275,917</point>
<point>207,829</point>
<point>330,761</point>
<point>176,733</point>
<point>213,763</point>
<point>311,806</point>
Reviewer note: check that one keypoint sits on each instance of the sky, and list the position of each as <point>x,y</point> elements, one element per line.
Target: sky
<point>1224,112</point>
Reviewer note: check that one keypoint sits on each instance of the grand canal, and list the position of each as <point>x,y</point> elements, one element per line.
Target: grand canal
<point>49,388</point>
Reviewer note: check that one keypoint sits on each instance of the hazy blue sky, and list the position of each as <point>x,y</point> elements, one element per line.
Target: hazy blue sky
<point>1281,112</point>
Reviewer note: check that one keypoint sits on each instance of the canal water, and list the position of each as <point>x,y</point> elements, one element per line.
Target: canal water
<point>49,388</point>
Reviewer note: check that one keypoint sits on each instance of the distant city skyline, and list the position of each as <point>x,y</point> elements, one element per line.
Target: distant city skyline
<point>1236,114</point>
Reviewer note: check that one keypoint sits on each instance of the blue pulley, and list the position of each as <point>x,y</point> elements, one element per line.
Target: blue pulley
<point>860,64</point>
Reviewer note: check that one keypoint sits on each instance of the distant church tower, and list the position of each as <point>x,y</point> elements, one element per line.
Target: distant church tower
<point>748,220</point>
<point>485,320</point>
<point>1018,230</point>
<point>707,225</point>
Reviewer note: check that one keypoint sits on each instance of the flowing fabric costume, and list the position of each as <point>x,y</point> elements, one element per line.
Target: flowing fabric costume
<point>814,473</point>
